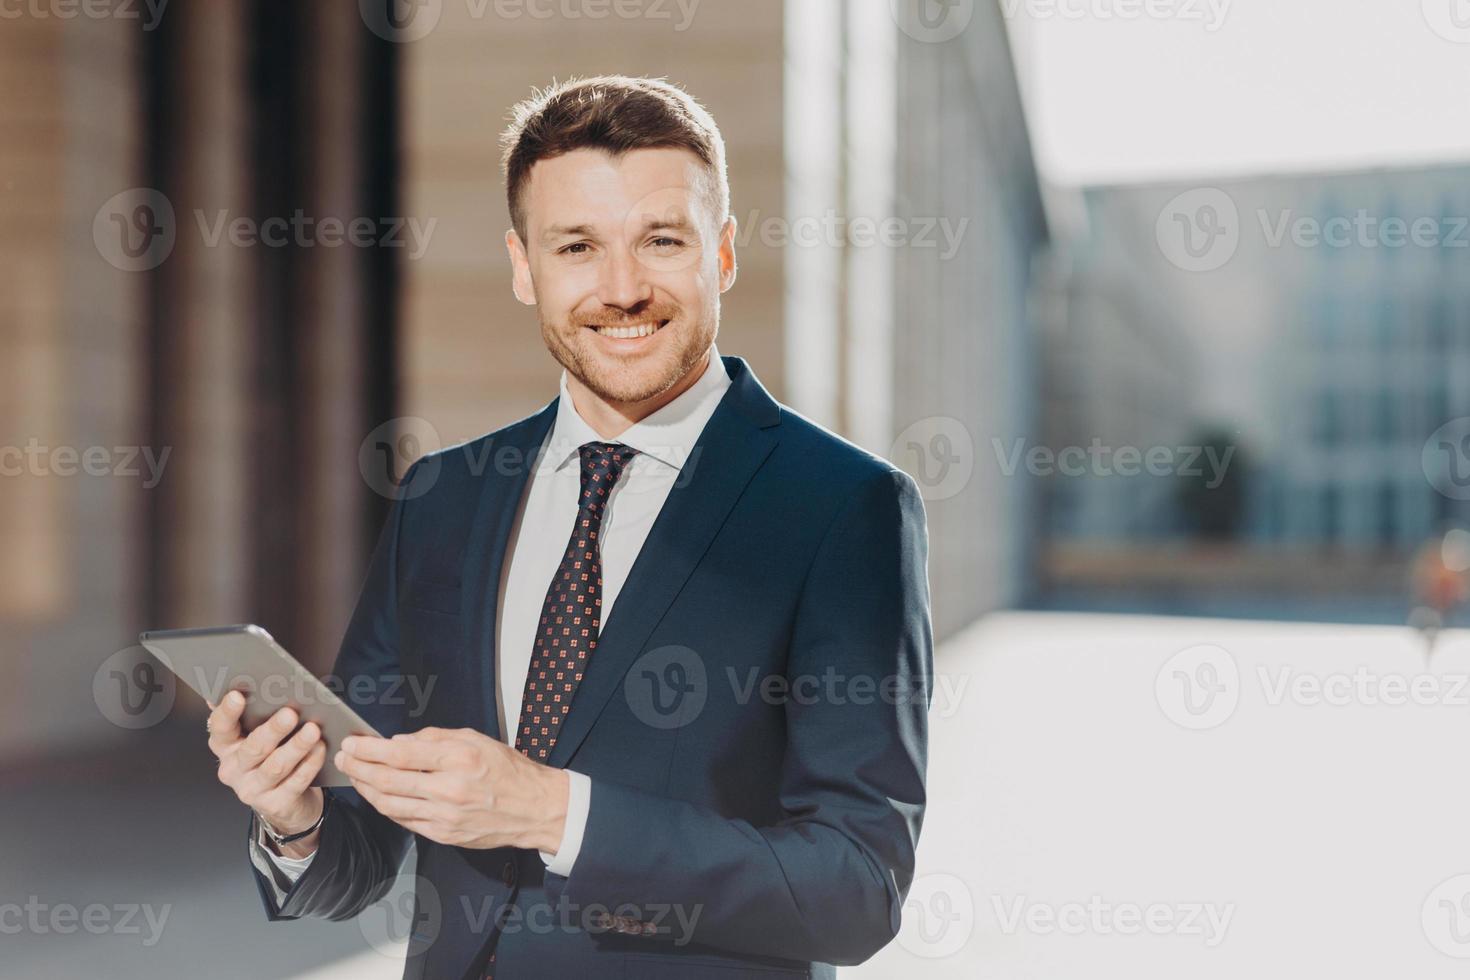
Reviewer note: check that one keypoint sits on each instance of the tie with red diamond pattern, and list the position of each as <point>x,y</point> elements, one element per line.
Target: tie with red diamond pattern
<point>571,614</point>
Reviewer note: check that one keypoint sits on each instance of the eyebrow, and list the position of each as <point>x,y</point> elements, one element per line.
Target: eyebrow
<point>566,231</point>
<point>682,223</point>
<point>557,232</point>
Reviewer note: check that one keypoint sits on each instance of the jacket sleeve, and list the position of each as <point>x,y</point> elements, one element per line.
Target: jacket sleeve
<point>827,882</point>
<point>360,850</point>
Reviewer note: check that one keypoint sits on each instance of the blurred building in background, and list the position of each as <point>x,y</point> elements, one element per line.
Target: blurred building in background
<point>173,301</point>
<point>965,347</point>
<point>1373,357</point>
<point>939,357</point>
<point>1315,327</point>
<point>181,283</point>
<point>73,573</point>
<point>1119,371</point>
<point>251,267</point>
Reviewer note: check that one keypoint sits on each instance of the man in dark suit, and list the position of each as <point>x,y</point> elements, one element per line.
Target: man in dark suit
<point>674,637</point>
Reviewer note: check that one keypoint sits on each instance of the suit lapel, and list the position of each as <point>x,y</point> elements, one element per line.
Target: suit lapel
<point>739,436</point>
<point>508,465</point>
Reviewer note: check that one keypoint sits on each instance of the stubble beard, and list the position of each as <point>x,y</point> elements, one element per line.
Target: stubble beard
<point>613,382</point>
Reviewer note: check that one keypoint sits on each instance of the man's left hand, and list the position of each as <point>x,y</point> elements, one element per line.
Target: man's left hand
<point>459,787</point>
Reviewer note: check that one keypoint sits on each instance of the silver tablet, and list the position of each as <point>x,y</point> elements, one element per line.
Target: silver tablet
<point>219,659</point>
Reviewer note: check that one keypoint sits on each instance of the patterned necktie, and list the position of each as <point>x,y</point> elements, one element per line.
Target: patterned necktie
<point>571,614</point>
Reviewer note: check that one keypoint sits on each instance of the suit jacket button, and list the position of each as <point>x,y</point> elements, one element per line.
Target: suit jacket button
<point>508,874</point>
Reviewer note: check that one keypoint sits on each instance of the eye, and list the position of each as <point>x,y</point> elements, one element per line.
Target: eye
<point>576,248</point>
<point>664,241</point>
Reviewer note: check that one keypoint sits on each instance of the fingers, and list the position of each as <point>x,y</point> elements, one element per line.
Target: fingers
<point>407,752</point>
<point>397,808</point>
<point>263,741</point>
<point>270,770</point>
<point>432,734</point>
<point>387,779</point>
<point>282,762</point>
<point>224,722</point>
<point>298,781</point>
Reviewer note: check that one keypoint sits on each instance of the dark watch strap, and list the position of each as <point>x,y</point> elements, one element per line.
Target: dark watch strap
<point>280,839</point>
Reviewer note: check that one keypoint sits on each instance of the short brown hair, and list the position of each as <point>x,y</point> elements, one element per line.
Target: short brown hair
<point>615,113</point>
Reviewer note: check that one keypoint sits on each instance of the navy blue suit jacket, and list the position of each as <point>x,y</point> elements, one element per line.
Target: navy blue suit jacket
<point>753,720</point>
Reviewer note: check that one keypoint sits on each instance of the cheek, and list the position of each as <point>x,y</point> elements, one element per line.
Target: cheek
<point>695,287</point>
<point>559,291</point>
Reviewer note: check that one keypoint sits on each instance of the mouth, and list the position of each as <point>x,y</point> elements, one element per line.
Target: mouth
<point>631,334</point>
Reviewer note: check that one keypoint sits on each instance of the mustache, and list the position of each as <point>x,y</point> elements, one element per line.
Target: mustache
<point>611,318</point>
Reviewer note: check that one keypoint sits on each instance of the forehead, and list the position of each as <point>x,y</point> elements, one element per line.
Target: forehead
<point>594,186</point>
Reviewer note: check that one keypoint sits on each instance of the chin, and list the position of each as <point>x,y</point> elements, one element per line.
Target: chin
<point>616,381</point>
<point>630,375</point>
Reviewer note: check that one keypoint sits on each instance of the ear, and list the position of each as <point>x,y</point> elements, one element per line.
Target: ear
<point>728,266</point>
<point>520,267</point>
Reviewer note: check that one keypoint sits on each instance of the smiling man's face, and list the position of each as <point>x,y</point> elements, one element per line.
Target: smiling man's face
<point>625,261</point>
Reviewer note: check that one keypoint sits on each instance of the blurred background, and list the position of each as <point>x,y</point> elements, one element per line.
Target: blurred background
<point>1165,304</point>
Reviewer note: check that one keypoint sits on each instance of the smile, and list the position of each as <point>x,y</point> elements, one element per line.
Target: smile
<point>632,331</point>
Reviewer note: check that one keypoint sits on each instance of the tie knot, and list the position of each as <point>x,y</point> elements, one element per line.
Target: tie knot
<point>602,464</point>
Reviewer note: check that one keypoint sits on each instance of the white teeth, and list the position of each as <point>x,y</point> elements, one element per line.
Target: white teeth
<point>628,333</point>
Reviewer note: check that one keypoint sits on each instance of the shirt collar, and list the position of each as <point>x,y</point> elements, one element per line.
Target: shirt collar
<point>667,435</point>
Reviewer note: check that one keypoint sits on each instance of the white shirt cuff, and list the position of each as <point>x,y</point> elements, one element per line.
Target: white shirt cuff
<point>579,800</point>
<point>280,872</point>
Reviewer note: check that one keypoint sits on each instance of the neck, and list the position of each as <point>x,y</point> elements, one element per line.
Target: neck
<point>610,419</point>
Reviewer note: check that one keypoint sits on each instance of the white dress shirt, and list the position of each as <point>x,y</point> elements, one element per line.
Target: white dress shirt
<point>664,440</point>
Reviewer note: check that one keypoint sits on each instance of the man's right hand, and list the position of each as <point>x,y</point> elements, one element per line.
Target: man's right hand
<point>271,770</point>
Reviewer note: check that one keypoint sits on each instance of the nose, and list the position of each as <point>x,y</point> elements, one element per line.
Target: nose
<point>624,281</point>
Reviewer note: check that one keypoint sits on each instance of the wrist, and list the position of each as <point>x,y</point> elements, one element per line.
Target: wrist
<point>552,827</point>
<point>296,828</point>
<point>303,848</point>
